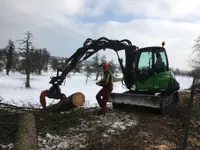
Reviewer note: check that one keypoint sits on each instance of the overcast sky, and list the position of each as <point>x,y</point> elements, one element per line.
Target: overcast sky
<point>62,26</point>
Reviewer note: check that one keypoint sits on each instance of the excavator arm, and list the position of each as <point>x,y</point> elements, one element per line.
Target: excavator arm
<point>89,48</point>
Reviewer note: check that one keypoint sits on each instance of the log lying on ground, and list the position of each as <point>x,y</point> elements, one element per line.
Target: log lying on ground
<point>75,100</point>
<point>26,136</point>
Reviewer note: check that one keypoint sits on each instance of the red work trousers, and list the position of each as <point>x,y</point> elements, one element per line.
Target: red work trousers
<point>102,97</point>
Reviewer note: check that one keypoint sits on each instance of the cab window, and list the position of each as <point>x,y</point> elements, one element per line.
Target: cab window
<point>145,61</point>
<point>160,61</point>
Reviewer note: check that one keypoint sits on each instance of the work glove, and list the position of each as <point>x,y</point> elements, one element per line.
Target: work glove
<point>99,84</point>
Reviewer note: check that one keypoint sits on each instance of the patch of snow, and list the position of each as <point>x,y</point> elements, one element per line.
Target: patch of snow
<point>105,135</point>
<point>7,147</point>
<point>12,89</point>
<point>144,134</point>
<point>185,82</point>
<point>118,122</point>
<point>54,142</point>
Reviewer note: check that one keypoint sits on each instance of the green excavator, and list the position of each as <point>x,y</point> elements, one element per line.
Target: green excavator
<point>148,79</point>
<point>146,74</point>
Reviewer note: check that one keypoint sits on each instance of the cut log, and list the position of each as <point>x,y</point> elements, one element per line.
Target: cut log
<point>75,100</point>
<point>26,136</point>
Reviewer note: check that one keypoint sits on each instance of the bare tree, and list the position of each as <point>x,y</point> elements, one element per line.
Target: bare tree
<point>54,63</point>
<point>9,51</point>
<point>40,59</point>
<point>45,58</point>
<point>78,68</point>
<point>88,71</point>
<point>95,64</point>
<point>2,55</point>
<point>113,66</point>
<point>26,47</point>
<point>195,61</point>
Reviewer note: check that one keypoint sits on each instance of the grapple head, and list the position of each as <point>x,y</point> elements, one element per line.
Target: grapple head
<point>54,92</point>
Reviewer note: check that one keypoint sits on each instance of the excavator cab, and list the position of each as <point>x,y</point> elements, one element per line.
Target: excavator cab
<point>150,63</point>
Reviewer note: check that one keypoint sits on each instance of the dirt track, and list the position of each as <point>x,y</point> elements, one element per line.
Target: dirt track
<point>131,128</point>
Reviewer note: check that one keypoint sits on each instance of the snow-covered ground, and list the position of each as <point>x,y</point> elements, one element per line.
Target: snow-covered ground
<point>12,88</point>
<point>185,82</point>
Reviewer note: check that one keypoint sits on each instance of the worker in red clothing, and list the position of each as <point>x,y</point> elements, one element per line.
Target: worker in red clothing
<point>107,87</point>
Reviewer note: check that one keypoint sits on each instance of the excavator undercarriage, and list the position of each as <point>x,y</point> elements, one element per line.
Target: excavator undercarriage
<point>156,101</point>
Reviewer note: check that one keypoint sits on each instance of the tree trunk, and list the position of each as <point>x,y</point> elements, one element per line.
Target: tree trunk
<point>7,71</point>
<point>46,68</point>
<point>86,79</point>
<point>8,67</point>
<point>97,75</point>
<point>73,101</point>
<point>28,80</point>
<point>39,71</point>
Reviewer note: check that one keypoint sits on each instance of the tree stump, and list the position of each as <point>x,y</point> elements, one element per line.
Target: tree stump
<point>26,136</point>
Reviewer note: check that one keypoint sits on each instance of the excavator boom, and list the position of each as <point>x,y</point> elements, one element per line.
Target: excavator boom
<point>89,48</point>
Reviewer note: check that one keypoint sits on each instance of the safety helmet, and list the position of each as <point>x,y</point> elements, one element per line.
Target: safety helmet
<point>105,65</point>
